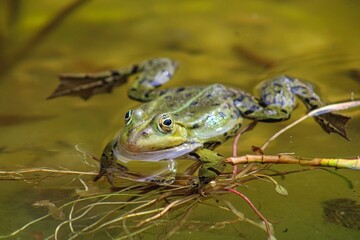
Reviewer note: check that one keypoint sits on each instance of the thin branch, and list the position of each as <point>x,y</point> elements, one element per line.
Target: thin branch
<point>47,170</point>
<point>318,111</point>
<point>353,163</point>
<point>247,200</point>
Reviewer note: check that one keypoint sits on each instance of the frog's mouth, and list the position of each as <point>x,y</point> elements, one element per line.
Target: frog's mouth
<point>125,155</point>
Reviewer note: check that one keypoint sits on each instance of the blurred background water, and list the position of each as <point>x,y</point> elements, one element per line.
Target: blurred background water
<point>239,43</point>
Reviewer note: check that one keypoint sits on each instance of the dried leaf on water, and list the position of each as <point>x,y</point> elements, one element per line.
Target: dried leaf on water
<point>333,122</point>
<point>86,85</point>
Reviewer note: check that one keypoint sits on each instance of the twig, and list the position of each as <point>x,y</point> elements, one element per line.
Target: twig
<point>241,217</point>
<point>25,226</point>
<point>318,111</point>
<point>136,232</point>
<point>167,208</point>
<point>249,127</point>
<point>353,163</point>
<point>247,200</point>
<point>181,223</point>
<point>48,170</point>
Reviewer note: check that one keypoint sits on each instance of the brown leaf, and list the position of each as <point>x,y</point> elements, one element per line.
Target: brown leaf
<point>86,85</point>
<point>257,150</point>
<point>333,122</point>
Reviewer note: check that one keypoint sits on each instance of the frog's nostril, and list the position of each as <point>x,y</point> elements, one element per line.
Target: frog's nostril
<point>144,134</point>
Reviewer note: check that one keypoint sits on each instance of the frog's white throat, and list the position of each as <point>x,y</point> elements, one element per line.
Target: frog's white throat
<point>125,156</point>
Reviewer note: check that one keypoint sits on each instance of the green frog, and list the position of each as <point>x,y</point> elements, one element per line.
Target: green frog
<point>189,121</point>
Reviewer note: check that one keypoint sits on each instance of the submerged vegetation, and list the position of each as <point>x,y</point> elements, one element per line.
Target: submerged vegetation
<point>135,207</point>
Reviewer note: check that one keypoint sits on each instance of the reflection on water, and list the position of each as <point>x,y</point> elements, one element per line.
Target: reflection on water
<point>230,42</point>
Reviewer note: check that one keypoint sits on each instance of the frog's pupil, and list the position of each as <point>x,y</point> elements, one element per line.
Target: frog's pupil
<point>167,122</point>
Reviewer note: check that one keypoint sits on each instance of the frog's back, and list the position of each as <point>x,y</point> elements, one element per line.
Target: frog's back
<point>207,112</point>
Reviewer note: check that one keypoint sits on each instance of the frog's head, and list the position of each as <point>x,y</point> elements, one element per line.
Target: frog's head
<point>152,138</point>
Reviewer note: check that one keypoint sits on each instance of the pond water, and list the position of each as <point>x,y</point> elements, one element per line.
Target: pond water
<point>230,42</point>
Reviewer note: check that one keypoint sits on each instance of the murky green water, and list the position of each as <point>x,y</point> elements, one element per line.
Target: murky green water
<point>231,42</point>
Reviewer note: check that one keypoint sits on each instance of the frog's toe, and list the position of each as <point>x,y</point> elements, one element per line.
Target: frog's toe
<point>97,177</point>
<point>121,168</point>
<point>194,187</point>
<point>108,172</point>
<point>105,172</point>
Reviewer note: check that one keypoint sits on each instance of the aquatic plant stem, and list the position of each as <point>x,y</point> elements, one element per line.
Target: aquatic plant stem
<point>137,232</point>
<point>18,175</point>
<point>316,112</point>
<point>37,170</point>
<point>247,200</point>
<point>181,223</point>
<point>236,140</point>
<point>353,163</point>
<point>25,226</point>
<point>167,208</point>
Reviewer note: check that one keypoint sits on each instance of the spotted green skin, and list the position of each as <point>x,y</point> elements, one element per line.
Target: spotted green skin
<point>203,117</point>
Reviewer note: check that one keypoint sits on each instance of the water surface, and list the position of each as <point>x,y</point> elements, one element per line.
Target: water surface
<point>231,42</point>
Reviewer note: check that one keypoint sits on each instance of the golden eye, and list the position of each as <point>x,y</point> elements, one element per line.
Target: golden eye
<point>166,124</point>
<point>128,117</point>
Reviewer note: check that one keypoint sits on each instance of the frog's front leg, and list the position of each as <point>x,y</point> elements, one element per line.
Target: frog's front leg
<point>109,165</point>
<point>212,165</point>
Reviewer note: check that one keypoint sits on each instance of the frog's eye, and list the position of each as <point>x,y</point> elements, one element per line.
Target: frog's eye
<point>166,123</point>
<point>128,117</point>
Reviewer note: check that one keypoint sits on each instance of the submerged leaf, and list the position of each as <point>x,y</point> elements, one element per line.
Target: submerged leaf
<point>17,119</point>
<point>354,74</point>
<point>54,211</point>
<point>342,211</point>
<point>333,122</point>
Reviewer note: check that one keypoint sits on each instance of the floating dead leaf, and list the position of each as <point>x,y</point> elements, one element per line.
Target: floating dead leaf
<point>86,85</point>
<point>333,122</point>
